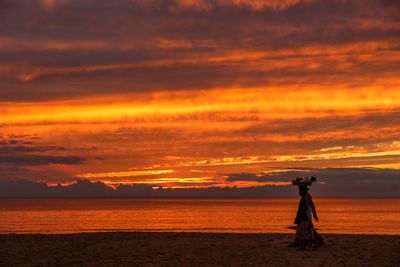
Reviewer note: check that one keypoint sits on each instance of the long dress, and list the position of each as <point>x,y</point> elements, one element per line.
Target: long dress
<point>317,239</point>
<point>306,235</point>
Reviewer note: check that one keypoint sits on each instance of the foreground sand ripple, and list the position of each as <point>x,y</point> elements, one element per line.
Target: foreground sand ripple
<point>194,249</point>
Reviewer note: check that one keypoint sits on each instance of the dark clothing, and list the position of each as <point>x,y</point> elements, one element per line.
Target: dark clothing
<point>302,211</point>
<point>311,205</point>
<point>306,235</point>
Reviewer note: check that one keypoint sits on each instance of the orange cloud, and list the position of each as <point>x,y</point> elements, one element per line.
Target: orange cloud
<point>124,174</point>
<point>205,5</point>
<point>262,102</point>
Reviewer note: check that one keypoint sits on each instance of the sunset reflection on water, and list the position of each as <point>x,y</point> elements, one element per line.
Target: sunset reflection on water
<point>351,216</point>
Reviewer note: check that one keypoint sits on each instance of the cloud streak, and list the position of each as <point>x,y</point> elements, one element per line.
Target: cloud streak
<point>40,160</point>
<point>177,93</point>
<point>129,46</point>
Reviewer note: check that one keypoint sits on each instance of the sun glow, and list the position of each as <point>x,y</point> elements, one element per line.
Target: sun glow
<point>124,174</point>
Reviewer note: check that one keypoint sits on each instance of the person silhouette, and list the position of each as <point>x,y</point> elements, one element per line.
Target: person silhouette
<point>306,234</point>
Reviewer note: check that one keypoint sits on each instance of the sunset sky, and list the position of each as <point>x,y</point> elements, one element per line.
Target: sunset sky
<point>197,93</point>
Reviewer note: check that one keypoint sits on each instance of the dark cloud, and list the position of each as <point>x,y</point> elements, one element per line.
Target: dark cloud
<point>366,174</point>
<point>253,191</point>
<point>103,18</point>
<point>72,43</point>
<point>32,160</point>
<point>30,148</point>
<point>6,171</point>
<point>19,150</point>
<point>334,182</point>
<point>81,188</point>
<point>343,182</point>
<point>84,188</point>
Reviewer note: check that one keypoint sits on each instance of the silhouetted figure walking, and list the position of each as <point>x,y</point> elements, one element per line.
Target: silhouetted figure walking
<point>306,235</point>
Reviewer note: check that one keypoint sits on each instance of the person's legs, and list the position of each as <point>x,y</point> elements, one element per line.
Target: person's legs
<point>302,235</point>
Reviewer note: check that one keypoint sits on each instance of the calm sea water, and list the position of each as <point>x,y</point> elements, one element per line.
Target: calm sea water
<point>362,216</point>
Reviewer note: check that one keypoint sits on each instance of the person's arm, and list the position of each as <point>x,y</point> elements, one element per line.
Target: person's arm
<point>314,211</point>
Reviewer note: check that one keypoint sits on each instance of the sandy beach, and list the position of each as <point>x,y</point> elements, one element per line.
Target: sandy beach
<point>193,249</point>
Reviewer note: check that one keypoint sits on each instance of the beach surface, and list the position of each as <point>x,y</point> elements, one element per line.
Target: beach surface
<point>194,249</point>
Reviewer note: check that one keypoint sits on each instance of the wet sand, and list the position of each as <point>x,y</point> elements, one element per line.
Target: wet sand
<point>194,249</point>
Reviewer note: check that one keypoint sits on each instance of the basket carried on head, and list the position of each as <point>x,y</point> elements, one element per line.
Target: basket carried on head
<point>304,181</point>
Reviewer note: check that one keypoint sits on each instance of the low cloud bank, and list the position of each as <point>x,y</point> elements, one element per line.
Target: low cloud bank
<point>336,182</point>
<point>86,188</point>
<point>332,182</point>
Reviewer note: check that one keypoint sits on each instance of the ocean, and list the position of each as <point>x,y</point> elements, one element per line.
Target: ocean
<point>255,215</point>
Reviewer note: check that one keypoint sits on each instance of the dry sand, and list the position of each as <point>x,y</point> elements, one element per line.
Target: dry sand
<point>194,249</point>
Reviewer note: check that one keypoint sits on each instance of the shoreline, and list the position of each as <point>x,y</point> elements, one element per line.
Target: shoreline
<point>194,197</point>
<point>148,231</point>
<point>194,249</point>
